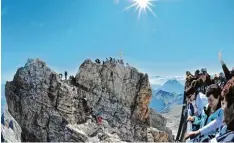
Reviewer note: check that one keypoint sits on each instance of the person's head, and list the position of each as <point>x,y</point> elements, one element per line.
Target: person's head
<point>213,94</point>
<point>190,94</point>
<point>216,78</point>
<point>221,75</point>
<point>197,73</point>
<point>228,103</point>
<point>188,73</point>
<point>204,71</point>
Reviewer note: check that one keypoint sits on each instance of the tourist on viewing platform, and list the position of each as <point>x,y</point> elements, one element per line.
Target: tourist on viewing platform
<point>211,112</point>
<point>197,102</point>
<point>197,99</point>
<point>226,132</point>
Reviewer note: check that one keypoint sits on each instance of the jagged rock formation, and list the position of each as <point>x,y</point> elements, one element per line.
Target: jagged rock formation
<point>49,109</point>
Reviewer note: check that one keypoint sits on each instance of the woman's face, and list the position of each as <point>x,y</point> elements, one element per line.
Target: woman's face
<point>192,97</point>
<point>213,102</point>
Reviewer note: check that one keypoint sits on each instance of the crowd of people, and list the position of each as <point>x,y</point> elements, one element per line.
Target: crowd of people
<point>111,60</point>
<point>210,101</point>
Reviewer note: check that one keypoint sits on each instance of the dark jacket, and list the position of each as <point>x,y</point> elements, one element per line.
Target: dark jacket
<point>226,71</point>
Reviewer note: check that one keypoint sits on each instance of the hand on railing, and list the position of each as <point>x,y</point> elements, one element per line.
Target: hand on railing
<point>190,118</point>
<point>192,134</point>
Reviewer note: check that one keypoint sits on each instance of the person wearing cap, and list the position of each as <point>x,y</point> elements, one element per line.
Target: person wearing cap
<point>228,74</point>
<point>211,112</point>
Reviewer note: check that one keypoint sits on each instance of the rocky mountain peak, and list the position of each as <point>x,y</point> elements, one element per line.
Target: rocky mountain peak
<point>51,109</point>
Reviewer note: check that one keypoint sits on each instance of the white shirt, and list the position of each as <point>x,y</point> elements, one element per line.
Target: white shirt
<point>201,102</point>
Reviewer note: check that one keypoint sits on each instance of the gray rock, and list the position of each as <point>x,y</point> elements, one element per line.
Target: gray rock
<point>50,109</point>
<point>159,122</point>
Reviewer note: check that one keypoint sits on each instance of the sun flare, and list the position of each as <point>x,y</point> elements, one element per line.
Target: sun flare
<point>142,5</point>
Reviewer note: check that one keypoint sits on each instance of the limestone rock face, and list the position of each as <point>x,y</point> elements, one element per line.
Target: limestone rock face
<point>159,122</point>
<point>50,109</point>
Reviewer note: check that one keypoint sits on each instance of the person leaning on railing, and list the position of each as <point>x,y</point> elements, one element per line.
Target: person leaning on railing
<point>197,102</point>
<point>211,112</point>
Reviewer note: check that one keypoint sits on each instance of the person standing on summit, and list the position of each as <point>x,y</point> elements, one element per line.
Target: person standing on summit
<point>65,73</point>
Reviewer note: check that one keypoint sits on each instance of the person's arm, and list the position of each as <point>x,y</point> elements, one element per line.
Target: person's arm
<point>224,67</point>
<point>213,125</point>
<point>226,71</point>
<point>217,123</point>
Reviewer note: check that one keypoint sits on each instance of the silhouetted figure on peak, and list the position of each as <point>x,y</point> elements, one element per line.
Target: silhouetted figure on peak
<point>97,61</point>
<point>121,61</point>
<point>72,80</point>
<point>127,64</point>
<point>65,73</point>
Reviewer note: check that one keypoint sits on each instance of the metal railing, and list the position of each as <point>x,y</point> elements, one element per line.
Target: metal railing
<point>184,126</point>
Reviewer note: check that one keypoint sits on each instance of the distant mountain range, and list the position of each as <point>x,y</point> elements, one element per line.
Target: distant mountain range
<point>156,81</point>
<point>172,85</point>
<point>167,95</point>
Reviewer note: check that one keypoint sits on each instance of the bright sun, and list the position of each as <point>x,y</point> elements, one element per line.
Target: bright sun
<point>142,5</point>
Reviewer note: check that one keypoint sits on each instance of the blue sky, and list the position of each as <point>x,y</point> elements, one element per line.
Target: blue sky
<point>186,35</point>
